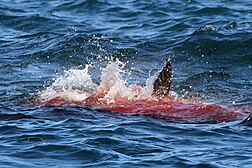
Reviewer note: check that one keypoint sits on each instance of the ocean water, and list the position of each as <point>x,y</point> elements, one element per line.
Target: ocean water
<point>208,43</point>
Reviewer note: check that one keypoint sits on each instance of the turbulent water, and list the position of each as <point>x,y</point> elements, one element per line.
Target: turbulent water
<point>47,47</point>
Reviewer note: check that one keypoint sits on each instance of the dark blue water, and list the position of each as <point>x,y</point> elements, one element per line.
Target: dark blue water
<point>208,42</point>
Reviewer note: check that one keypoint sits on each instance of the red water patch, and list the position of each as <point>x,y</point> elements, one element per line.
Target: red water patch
<point>167,108</point>
<point>115,95</point>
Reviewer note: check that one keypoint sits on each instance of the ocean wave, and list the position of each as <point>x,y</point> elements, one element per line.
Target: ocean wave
<point>17,116</point>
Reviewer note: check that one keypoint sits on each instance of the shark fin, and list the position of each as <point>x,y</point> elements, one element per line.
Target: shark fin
<point>161,86</point>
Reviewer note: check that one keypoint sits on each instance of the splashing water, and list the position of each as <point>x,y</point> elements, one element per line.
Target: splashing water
<point>76,87</point>
<point>115,88</point>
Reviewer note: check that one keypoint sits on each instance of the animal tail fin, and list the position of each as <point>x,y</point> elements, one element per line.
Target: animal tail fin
<point>247,121</point>
<point>161,86</point>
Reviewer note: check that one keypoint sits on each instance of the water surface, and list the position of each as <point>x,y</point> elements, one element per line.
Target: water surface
<point>208,43</point>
